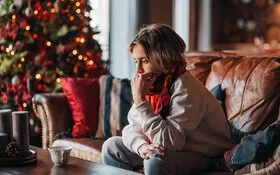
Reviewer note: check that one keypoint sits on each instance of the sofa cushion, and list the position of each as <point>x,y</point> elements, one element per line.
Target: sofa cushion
<point>252,88</point>
<point>199,63</point>
<point>83,98</point>
<point>115,102</point>
<point>83,148</point>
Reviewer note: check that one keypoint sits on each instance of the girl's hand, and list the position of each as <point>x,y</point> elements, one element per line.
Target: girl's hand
<point>140,86</point>
<point>147,150</point>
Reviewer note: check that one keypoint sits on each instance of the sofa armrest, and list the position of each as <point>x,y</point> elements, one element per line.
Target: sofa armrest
<point>54,112</point>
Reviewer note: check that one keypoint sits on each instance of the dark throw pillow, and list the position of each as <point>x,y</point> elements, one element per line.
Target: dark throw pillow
<point>219,93</point>
<point>254,148</point>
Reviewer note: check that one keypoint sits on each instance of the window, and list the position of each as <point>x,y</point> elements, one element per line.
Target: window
<point>100,20</point>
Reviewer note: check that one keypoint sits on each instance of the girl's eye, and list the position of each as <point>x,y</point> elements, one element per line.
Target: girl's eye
<point>145,61</point>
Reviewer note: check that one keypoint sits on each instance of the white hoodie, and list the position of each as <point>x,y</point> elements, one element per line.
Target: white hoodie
<point>196,121</point>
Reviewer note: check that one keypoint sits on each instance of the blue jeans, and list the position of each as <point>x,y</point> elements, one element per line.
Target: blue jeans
<point>114,153</point>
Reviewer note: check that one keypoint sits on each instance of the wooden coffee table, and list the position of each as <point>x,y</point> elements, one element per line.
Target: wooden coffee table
<point>75,166</point>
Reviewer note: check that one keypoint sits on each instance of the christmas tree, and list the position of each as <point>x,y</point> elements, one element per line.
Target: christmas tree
<point>40,42</point>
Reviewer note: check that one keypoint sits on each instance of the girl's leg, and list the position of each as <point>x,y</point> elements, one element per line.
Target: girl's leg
<point>114,153</point>
<point>176,163</point>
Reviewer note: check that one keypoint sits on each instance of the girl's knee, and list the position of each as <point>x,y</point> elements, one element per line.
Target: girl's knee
<point>153,161</point>
<point>111,143</point>
<point>109,148</point>
<point>157,165</point>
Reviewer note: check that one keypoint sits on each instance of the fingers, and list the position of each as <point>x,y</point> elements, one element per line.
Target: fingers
<point>157,149</point>
<point>140,86</point>
<point>137,76</point>
<point>145,156</point>
<point>154,150</point>
<point>148,76</point>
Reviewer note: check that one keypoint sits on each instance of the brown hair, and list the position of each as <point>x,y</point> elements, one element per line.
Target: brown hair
<point>162,45</point>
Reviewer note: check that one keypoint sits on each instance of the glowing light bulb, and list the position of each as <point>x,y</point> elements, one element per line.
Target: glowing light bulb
<point>82,40</point>
<point>74,52</point>
<point>90,62</point>
<point>27,28</point>
<point>38,76</point>
<point>80,57</point>
<point>52,10</point>
<point>24,105</point>
<point>48,43</point>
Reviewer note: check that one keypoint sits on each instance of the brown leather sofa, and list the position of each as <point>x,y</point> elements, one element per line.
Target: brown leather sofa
<point>251,83</point>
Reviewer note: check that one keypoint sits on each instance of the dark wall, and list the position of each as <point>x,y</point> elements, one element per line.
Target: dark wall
<point>160,11</point>
<point>217,20</point>
<point>155,11</point>
<point>241,21</point>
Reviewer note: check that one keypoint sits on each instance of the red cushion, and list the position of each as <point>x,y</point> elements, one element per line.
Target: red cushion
<point>83,98</point>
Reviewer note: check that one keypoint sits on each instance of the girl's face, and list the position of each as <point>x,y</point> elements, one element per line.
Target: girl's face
<point>143,64</point>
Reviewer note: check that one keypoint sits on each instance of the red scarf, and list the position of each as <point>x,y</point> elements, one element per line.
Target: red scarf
<point>159,94</point>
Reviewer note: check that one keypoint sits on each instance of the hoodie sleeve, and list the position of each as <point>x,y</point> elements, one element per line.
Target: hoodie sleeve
<point>133,137</point>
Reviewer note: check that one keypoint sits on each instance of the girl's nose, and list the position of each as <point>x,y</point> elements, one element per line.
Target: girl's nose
<point>139,69</point>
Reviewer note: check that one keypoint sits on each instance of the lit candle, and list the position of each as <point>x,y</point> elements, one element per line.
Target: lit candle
<point>21,130</point>
<point>6,123</point>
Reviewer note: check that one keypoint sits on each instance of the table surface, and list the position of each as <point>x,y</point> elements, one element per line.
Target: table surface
<point>75,166</point>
